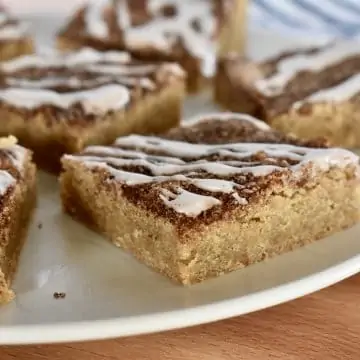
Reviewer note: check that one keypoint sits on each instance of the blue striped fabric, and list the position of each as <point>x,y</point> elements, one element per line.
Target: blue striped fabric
<point>321,18</point>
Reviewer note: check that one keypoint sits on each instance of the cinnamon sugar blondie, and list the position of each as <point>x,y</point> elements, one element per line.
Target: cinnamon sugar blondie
<point>313,91</point>
<point>188,32</point>
<point>59,104</point>
<point>14,38</point>
<point>222,193</point>
<point>17,201</point>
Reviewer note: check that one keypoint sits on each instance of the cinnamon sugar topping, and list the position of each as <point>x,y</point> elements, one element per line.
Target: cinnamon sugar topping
<point>289,67</point>
<point>298,78</point>
<point>152,26</point>
<point>191,179</point>
<point>97,82</point>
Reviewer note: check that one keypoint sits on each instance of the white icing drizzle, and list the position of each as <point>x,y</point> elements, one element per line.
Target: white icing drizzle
<point>188,203</point>
<point>111,76</point>
<point>43,83</point>
<point>199,44</point>
<point>215,185</point>
<point>94,101</point>
<point>225,116</point>
<point>85,56</point>
<point>90,56</point>
<point>74,82</point>
<point>131,154</point>
<point>16,154</point>
<point>12,32</point>
<point>161,31</point>
<point>177,148</point>
<point>94,18</point>
<point>184,162</point>
<point>290,66</point>
<point>123,14</point>
<point>239,199</point>
<point>338,93</point>
<point>122,69</point>
<point>6,180</point>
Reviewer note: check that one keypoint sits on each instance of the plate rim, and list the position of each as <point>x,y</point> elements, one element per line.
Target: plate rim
<point>181,318</point>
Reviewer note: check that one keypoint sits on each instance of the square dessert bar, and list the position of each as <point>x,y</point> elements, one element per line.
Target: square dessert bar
<point>14,38</point>
<point>56,104</point>
<point>17,201</point>
<point>309,92</point>
<point>215,196</point>
<point>188,32</point>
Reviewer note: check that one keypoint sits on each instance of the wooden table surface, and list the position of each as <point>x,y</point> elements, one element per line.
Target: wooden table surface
<point>322,326</point>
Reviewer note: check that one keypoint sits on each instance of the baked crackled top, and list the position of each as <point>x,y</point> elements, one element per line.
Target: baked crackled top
<point>81,84</point>
<point>191,183</point>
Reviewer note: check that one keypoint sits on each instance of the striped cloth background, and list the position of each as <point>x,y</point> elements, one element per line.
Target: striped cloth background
<point>321,18</point>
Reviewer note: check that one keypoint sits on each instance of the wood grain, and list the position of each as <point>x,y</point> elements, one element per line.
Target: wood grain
<point>325,325</point>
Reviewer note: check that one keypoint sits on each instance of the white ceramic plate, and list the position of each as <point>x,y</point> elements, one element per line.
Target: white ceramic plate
<point>109,294</point>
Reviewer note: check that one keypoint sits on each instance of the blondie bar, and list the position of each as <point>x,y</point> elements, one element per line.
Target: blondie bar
<point>309,92</point>
<point>188,32</point>
<point>219,194</point>
<point>58,104</point>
